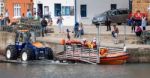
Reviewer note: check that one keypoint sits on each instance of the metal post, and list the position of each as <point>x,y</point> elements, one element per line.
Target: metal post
<point>98,43</point>
<point>36,10</point>
<point>124,46</point>
<point>75,10</point>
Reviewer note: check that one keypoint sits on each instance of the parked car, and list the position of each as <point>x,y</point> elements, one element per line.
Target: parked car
<point>117,16</point>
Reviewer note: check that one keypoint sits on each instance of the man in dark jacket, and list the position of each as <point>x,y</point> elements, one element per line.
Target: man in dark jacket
<point>108,23</point>
<point>76,29</point>
<point>43,24</point>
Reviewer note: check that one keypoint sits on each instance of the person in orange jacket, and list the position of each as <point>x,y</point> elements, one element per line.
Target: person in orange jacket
<point>138,17</point>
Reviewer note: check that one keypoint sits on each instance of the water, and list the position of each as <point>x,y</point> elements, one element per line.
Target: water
<point>12,70</point>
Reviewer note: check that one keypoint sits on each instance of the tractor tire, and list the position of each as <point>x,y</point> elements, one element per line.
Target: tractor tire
<point>49,54</point>
<point>26,54</point>
<point>11,52</point>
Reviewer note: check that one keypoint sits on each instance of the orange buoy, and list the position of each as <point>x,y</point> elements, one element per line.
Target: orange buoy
<point>62,41</point>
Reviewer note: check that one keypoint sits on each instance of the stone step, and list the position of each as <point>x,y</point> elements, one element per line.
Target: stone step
<point>130,38</point>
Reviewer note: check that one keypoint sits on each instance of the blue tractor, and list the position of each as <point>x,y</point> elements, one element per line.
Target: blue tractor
<point>27,48</point>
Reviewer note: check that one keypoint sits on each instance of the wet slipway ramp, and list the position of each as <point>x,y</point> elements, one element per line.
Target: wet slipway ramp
<point>42,61</point>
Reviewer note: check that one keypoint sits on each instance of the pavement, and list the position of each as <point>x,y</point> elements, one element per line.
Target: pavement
<point>92,30</point>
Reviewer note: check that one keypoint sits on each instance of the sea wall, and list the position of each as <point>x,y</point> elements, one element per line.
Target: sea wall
<point>136,54</point>
<point>6,38</point>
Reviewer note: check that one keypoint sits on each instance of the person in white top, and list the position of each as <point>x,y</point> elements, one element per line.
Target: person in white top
<point>144,22</point>
<point>60,24</point>
<point>29,14</point>
<point>6,14</point>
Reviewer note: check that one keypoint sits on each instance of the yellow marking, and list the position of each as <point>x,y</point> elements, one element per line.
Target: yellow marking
<point>23,30</point>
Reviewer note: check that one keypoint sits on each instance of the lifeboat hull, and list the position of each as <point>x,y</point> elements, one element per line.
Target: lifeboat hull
<point>114,59</point>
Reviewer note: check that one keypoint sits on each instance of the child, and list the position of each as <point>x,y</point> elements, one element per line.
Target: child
<point>144,22</point>
<point>68,35</point>
<point>138,31</point>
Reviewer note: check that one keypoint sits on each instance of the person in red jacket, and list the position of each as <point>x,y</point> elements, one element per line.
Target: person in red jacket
<point>138,17</point>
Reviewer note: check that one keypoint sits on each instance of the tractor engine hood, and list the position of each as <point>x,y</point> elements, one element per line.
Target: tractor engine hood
<point>38,44</point>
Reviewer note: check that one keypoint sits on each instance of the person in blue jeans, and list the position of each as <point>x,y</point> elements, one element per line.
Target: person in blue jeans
<point>44,25</point>
<point>76,29</point>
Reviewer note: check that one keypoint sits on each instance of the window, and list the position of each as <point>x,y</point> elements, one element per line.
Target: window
<point>17,10</point>
<point>113,6</point>
<point>46,10</point>
<point>123,12</point>
<point>1,8</point>
<point>67,10</point>
<point>57,9</point>
<point>83,10</point>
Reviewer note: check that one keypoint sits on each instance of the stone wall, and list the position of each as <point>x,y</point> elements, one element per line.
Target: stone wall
<point>6,38</point>
<point>139,55</point>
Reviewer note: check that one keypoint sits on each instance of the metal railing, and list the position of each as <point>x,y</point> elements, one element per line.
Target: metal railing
<point>85,54</point>
<point>77,52</point>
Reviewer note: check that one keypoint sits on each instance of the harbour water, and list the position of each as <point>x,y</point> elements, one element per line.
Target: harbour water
<point>13,70</point>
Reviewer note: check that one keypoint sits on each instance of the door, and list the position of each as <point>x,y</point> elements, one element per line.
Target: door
<point>57,9</point>
<point>40,10</point>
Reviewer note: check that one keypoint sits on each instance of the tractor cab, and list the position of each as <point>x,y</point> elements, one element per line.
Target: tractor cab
<point>23,37</point>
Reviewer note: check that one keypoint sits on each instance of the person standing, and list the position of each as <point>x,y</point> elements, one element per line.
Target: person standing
<point>80,30</point>
<point>108,23</point>
<point>68,35</point>
<point>115,33</point>
<point>133,24</point>
<point>138,17</point>
<point>6,17</point>
<point>60,22</point>
<point>29,14</point>
<point>44,25</point>
<point>1,19</point>
<point>144,22</point>
<point>76,29</point>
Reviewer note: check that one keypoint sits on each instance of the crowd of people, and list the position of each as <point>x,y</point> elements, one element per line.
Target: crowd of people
<point>138,23</point>
<point>4,19</point>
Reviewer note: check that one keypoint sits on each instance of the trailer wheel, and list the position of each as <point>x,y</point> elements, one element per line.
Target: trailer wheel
<point>11,52</point>
<point>49,54</point>
<point>26,54</point>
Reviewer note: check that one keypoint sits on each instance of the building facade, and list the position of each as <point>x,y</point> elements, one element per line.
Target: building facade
<point>55,8</point>
<point>86,9</point>
<point>1,6</point>
<point>17,8</point>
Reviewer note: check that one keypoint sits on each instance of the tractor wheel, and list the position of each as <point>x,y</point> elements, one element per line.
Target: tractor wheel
<point>11,52</point>
<point>49,53</point>
<point>26,54</point>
